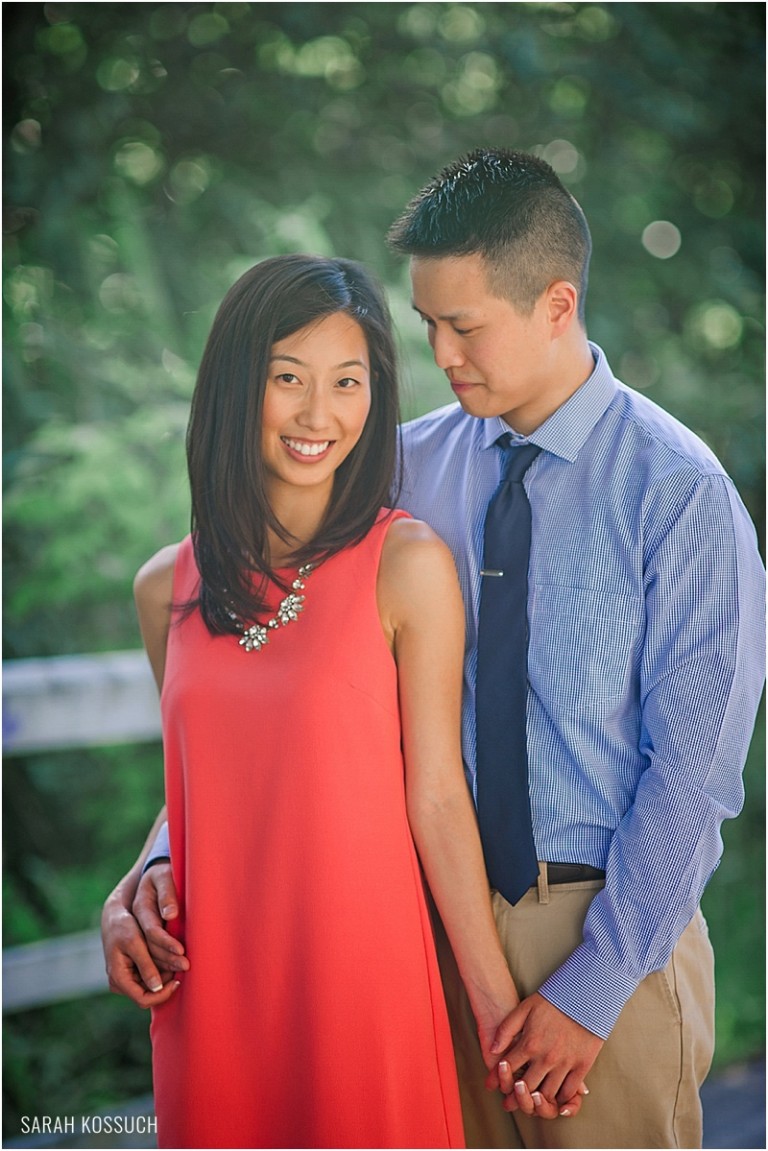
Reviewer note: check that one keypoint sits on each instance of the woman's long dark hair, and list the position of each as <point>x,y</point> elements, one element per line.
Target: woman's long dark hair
<point>230,511</point>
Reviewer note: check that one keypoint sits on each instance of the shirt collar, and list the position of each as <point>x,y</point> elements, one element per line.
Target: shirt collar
<point>567,430</point>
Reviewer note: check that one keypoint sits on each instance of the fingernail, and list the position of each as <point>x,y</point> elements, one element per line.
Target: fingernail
<point>155,987</point>
<point>565,1111</point>
<point>586,1091</point>
<point>166,911</point>
<point>538,1098</point>
<point>495,1048</point>
<point>504,1066</point>
<point>520,1087</point>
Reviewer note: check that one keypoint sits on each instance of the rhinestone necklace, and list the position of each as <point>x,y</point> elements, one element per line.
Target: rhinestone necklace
<point>255,637</point>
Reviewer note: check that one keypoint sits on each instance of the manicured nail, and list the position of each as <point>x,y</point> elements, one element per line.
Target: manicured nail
<point>538,1098</point>
<point>565,1111</point>
<point>520,1087</point>
<point>155,987</point>
<point>504,1067</point>
<point>585,1091</point>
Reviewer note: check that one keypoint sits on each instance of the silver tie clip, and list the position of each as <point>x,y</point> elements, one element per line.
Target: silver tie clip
<point>490,572</point>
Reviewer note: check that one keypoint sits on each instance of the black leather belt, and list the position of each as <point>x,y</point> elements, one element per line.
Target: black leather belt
<point>572,872</point>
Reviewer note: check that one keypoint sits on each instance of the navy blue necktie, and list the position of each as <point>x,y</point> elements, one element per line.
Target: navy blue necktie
<point>503,800</point>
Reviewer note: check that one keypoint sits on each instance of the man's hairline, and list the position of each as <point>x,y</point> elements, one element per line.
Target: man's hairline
<point>489,274</point>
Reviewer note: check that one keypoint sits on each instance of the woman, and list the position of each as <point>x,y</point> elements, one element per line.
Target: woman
<point>310,677</point>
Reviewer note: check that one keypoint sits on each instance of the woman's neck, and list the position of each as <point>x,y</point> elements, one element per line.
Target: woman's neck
<point>301,514</point>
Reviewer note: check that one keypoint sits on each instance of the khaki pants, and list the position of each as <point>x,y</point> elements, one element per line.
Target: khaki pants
<point>644,1085</point>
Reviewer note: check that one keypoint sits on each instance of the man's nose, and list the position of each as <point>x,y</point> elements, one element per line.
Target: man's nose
<point>446,348</point>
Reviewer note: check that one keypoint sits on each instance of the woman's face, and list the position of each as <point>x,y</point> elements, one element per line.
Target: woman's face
<point>316,402</point>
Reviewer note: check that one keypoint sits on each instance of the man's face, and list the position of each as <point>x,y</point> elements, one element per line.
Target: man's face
<point>498,361</point>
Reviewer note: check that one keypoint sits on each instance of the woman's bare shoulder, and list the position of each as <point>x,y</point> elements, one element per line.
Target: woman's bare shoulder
<point>415,564</point>
<point>413,543</point>
<point>418,588</point>
<point>153,585</point>
<point>153,592</point>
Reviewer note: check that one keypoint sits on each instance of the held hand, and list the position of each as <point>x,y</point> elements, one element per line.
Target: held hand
<point>130,969</point>
<point>519,1098</point>
<point>489,1017</point>
<point>156,902</point>
<point>555,1052</point>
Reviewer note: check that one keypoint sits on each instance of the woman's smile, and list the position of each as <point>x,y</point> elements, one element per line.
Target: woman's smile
<point>307,449</point>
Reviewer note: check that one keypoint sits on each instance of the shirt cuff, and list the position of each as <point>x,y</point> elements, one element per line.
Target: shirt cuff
<point>589,991</point>
<point>160,849</point>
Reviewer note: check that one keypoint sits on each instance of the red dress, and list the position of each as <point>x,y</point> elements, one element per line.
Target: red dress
<point>313,1013</point>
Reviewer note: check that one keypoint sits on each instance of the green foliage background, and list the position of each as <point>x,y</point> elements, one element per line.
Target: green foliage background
<point>152,153</point>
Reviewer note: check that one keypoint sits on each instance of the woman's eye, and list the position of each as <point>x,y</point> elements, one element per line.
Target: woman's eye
<point>347,382</point>
<point>288,378</point>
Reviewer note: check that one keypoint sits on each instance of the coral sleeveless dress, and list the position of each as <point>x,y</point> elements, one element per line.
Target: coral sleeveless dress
<point>313,1013</point>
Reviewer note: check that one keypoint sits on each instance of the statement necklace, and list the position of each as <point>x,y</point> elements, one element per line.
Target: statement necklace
<point>255,637</point>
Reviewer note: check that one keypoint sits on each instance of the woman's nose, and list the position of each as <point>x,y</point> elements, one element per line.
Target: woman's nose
<point>315,411</point>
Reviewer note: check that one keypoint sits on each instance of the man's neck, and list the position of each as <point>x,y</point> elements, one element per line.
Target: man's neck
<point>571,368</point>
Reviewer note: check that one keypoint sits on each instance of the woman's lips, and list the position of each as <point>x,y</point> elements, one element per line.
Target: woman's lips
<point>307,449</point>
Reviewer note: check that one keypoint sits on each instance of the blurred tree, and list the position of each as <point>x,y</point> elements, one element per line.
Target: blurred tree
<point>154,151</point>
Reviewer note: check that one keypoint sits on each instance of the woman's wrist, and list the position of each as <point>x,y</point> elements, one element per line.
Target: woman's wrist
<point>494,989</point>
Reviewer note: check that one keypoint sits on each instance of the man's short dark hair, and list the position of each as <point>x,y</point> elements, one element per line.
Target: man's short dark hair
<point>510,208</point>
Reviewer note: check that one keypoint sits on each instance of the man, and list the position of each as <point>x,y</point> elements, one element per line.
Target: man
<point>644,664</point>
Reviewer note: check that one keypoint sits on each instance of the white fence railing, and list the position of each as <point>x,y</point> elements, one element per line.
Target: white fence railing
<point>68,702</point>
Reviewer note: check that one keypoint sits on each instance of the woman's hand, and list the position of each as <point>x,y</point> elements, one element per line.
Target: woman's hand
<point>490,1013</point>
<point>517,1096</point>
<point>130,968</point>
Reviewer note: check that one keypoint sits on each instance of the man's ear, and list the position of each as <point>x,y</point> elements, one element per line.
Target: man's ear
<point>562,306</point>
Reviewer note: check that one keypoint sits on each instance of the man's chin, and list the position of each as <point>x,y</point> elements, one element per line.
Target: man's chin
<point>472,403</point>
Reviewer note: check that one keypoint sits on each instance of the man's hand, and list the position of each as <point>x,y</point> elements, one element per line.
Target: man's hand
<point>130,969</point>
<point>489,1018</point>
<point>555,1052</point>
<point>154,904</point>
<point>130,966</point>
<point>513,1086</point>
